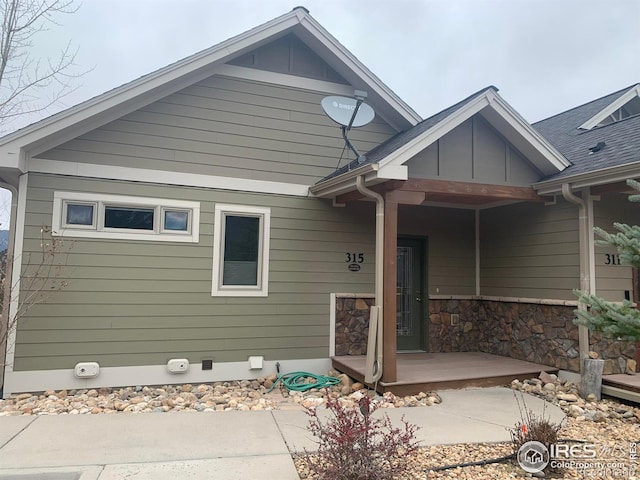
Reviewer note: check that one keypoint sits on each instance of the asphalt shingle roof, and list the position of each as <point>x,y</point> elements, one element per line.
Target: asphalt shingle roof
<point>622,138</point>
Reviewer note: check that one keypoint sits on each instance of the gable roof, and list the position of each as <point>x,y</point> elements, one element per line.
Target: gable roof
<point>392,144</point>
<point>387,157</point>
<point>617,160</point>
<point>119,101</point>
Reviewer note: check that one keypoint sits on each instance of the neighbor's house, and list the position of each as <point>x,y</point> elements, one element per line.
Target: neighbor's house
<point>209,222</point>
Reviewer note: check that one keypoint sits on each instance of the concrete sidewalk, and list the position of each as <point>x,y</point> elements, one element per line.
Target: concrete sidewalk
<point>229,445</point>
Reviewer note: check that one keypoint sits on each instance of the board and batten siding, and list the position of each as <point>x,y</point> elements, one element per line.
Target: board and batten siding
<point>530,250</point>
<point>226,127</point>
<point>474,152</point>
<point>450,234</point>
<point>612,277</point>
<point>142,303</point>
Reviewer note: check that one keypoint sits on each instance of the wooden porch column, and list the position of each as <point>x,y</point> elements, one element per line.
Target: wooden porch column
<point>389,371</point>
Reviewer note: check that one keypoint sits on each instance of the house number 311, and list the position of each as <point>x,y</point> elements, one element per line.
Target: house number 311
<point>611,259</point>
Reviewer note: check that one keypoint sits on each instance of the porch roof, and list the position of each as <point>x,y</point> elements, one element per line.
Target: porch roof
<point>386,161</point>
<point>416,191</point>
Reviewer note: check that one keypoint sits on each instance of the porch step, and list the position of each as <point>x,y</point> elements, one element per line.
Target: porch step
<point>419,372</point>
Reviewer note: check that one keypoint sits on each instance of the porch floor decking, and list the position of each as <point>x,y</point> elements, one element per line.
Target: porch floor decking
<point>622,386</point>
<point>432,371</point>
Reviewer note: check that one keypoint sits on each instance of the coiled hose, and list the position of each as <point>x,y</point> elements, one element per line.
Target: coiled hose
<point>298,381</point>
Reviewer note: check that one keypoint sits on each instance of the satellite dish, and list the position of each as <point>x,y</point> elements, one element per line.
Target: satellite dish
<point>340,110</point>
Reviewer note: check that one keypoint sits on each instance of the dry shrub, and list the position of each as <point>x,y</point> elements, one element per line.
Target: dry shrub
<point>354,446</point>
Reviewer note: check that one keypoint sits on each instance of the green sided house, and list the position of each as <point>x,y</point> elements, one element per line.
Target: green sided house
<point>211,233</point>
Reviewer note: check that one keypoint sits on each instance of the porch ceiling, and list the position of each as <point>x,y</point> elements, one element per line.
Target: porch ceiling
<point>416,191</point>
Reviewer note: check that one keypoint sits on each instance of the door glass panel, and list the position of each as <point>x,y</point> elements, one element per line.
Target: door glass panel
<point>404,323</point>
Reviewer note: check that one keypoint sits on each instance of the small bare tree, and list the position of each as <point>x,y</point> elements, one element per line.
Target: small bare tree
<point>41,276</point>
<point>29,84</point>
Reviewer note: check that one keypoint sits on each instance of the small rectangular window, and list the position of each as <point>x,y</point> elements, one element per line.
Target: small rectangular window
<point>80,214</point>
<point>123,217</point>
<point>176,220</point>
<point>241,251</point>
<point>128,217</point>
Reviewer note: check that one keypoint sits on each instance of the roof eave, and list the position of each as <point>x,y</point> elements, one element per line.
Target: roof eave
<point>345,182</point>
<point>110,105</point>
<point>554,161</point>
<point>541,144</point>
<point>146,85</point>
<point>602,176</point>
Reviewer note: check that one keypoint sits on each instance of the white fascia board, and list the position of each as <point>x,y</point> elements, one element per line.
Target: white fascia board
<point>440,129</point>
<point>393,172</point>
<point>370,79</point>
<point>619,173</point>
<point>89,170</point>
<point>13,158</point>
<point>523,128</point>
<point>612,107</point>
<point>201,61</point>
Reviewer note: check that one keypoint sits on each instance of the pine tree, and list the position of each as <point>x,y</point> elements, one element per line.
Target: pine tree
<point>618,320</point>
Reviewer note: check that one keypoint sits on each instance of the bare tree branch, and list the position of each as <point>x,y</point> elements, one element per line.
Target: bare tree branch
<point>29,84</point>
<point>41,276</point>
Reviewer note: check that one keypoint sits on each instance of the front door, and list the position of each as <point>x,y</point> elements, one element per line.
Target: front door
<point>410,325</point>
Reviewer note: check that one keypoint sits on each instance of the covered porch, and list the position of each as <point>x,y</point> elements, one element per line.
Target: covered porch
<point>474,267</point>
<point>434,371</point>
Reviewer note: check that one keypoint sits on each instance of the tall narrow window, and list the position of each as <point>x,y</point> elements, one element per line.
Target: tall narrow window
<point>240,251</point>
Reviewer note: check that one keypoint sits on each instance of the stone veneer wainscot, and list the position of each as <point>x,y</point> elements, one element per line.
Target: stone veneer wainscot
<point>536,330</point>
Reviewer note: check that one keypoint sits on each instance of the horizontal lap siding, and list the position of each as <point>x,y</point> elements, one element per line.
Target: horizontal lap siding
<point>226,127</point>
<point>612,280</point>
<point>530,250</point>
<point>141,303</point>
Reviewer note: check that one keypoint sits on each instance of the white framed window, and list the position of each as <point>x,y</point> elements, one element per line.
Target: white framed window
<point>241,251</point>
<point>98,215</point>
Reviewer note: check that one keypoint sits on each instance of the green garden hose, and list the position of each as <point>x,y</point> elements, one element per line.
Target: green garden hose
<point>297,381</point>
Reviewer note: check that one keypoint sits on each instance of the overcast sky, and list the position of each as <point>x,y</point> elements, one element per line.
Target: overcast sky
<point>545,56</point>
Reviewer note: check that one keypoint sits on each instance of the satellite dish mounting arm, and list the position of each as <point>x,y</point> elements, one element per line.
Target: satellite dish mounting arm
<point>360,96</point>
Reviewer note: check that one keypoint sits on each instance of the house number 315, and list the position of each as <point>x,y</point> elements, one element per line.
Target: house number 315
<point>354,257</point>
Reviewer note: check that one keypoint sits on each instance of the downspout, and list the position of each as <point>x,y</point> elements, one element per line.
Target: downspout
<point>585,262</point>
<point>373,366</point>
<point>4,318</point>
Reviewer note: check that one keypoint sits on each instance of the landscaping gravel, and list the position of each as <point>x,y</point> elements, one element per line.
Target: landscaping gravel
<point>612,426</point>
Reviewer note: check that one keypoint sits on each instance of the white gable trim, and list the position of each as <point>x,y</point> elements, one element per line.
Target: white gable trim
<point>93,113</point>
<point>612,107</point>
<point>282,79</point>
<point>88,170</point>
<point>440,129</point>
<point>488,99</point>
<point>371,80</point>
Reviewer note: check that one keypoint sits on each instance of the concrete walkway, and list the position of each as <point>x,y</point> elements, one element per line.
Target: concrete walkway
<point>229,445</point>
